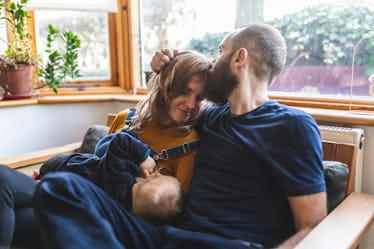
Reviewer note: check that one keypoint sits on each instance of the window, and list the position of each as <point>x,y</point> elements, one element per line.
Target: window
<point>94,23</point>
<point>116,48</point>
<point>89,20</point>
<point>92,29</point>
<point>320,35</point>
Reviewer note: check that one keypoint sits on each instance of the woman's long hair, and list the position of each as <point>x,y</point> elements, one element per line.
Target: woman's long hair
<point>171,82</point>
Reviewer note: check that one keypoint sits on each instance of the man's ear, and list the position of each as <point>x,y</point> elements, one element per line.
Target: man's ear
<point>240,57</point>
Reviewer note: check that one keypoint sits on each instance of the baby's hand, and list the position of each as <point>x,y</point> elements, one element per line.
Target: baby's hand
<point>148,167</point>
<point>35,174</point>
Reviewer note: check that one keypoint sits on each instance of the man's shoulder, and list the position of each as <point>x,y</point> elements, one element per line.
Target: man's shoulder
<point>290,119</point>
<point>293,112</point>
<point>216,109</point>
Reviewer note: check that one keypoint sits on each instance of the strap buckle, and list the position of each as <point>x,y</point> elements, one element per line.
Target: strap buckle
<point>186,148</point>
<point>176,151</point>
<point>161,156</point>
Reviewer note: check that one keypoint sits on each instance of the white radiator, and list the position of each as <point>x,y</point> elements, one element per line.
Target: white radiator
<point>350,136</point>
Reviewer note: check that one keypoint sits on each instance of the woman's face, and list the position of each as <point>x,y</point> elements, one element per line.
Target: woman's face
<point>182,107</point>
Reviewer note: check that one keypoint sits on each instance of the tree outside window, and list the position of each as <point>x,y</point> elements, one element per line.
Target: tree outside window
<point>320,37</point>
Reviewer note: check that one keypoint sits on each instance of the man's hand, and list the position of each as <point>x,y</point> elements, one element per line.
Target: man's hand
<point>148,167</point>
<point>161,58</point>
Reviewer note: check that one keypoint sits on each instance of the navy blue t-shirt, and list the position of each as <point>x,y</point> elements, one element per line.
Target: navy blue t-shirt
<point>247,166</point>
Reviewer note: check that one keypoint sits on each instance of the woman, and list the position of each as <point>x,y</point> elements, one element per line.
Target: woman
<point>163,120</point>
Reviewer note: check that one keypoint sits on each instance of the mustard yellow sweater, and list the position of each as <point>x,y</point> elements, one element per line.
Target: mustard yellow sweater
<point>159,139</point>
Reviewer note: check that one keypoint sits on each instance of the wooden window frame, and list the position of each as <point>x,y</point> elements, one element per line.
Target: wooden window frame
<point>126,71</point>
<point>321,102</point>
<point>119,67</point>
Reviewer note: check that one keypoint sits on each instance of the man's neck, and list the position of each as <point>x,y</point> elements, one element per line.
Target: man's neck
<point>247,97</point>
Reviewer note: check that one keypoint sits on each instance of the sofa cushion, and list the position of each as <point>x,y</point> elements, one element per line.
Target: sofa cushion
<point>92,136</point>
<point>336,176</point>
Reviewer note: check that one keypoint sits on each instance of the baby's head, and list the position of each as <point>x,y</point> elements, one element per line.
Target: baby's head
<point>157,199</point>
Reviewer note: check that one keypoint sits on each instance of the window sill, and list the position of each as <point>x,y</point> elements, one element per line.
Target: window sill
<point>335,109</point>
<point>72,99</point>
<point>131,98</point>
<point>98,94</point>
<point>341,116</point>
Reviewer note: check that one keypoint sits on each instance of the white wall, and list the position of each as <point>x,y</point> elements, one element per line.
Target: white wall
<point>35,127</point>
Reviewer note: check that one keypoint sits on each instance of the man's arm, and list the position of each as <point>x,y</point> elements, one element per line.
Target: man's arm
<point>308,211</point>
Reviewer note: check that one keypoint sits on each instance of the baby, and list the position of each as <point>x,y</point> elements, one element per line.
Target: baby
<point>155,197</point>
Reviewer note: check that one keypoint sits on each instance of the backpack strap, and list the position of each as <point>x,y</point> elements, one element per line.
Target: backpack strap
<point>176,151</point>
<point>130,115</point>
<point>165,154</point>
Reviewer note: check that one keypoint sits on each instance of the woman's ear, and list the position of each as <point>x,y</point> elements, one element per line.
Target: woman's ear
<point>240,57</point>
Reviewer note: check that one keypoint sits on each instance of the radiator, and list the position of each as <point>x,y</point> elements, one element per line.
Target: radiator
<point>350,136</point>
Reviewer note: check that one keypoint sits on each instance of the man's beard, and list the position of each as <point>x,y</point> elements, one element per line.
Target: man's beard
<point>221,83</point>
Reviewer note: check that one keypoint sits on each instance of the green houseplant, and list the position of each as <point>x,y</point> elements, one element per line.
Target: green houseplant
<point>17,62</point>
<point>62,63</point>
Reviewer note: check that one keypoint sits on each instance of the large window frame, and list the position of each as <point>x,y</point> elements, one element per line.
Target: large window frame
<point>85,86</point>
<point>126,71</point>
<point>119,49</point>
<point>334,102</point>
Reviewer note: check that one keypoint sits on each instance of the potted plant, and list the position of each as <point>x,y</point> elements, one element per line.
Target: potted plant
<point>17,62</point>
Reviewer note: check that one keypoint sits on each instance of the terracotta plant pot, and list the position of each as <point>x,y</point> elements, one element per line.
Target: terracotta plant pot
<point>16,81</point>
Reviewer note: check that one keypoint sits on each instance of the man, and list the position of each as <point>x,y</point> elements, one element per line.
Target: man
<point>258,179</point>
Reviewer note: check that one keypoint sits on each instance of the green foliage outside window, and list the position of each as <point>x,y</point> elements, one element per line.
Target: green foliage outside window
<point>207,45</point>
<point>327,33</point>
<point>324,34</point>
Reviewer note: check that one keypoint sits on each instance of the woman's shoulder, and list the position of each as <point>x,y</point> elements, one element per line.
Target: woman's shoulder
<point>119,121</point>
<point>124,113</point>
